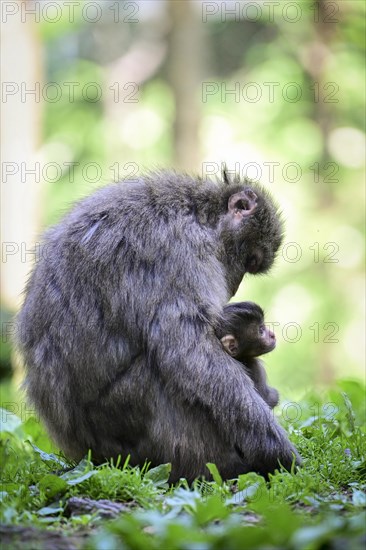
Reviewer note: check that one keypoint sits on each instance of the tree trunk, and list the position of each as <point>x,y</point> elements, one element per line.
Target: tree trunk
<point>20,135</point>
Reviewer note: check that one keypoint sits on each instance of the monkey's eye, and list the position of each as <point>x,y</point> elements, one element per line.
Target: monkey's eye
<point>262,330</point>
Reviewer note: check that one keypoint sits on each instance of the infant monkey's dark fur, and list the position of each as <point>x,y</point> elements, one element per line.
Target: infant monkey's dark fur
<point>118,325</point>
<point>245,336</point>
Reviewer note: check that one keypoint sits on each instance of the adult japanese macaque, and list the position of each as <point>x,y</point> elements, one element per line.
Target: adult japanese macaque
<point>118,326</point>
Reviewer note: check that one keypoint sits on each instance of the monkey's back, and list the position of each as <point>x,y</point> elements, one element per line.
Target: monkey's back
<point>116,260</point>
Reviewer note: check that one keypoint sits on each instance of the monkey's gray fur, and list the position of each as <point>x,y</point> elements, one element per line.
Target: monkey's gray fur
<point>118,324</point>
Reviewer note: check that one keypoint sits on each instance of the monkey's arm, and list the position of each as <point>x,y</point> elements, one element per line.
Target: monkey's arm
<point>272,397</point>
<point>255,369</point>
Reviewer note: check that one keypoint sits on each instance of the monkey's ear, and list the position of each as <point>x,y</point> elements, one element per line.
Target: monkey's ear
<point>242,204</point>
<point>230,344</point>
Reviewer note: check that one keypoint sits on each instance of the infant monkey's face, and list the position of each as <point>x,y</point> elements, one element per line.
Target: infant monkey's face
<point>265,342</point>
<point>251,340</point>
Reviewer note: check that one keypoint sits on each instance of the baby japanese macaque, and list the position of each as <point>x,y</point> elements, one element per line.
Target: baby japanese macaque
<point>245,337</point>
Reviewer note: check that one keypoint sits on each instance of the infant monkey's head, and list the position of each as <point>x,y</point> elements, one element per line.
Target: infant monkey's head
<point>243,332</point>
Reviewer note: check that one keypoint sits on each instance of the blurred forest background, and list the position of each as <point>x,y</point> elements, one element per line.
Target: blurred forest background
<point>97,91</point>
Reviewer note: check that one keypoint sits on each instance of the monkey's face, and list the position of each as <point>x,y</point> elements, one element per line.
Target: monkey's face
<point>251,340</point>
<point>266,341</point>
<point>255,339</point>
<point>256,228</point>
<point>246,333</point>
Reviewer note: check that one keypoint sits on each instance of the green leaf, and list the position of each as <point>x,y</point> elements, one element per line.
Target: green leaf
<point>80,479</point>
<point>54,508</point>
<point>211,509</point>
<point>183,498</point>
<point>249,493</point>
<point>48,457</point>
<point>251,478</point>
<point>215,473</point>
<point>358,498</point>
<point>159,475</point>
<point>52,485</point>
<point>80,473</point>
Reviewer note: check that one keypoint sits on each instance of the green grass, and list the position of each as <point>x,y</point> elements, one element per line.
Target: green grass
<point>321,507</point>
